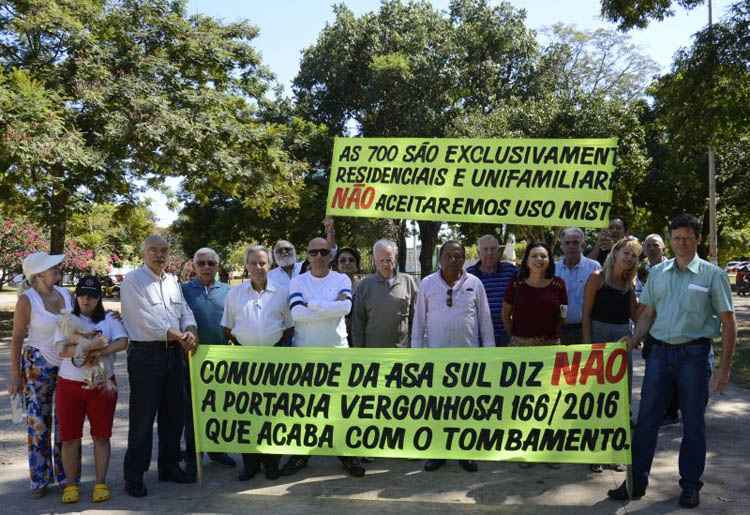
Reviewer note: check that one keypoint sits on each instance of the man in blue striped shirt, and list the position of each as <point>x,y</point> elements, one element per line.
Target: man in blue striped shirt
<point>496,276</point>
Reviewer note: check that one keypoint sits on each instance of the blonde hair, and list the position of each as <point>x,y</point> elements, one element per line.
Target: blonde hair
<point>608,269</point>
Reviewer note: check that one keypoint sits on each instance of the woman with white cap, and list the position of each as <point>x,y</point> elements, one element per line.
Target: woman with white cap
<point>34,362</point>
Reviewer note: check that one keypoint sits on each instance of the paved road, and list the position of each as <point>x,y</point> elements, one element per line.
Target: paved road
<point>400,486</point>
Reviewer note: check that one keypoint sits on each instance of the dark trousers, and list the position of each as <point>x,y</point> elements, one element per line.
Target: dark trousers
<point>571,334</point>
<point>157,386</point>
<point>190,458</point>
<point>252,461</point>
<point>686,368</point>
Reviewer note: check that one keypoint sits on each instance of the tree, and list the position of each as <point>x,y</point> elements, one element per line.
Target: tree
<point>18,239</point>
<point>99,97</point>
<point>410,70</point>
<point>637,13</point>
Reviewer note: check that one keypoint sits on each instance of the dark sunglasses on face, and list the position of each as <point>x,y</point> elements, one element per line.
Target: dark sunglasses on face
<point>449,300</point>
<point>205,263</point>
<point>315,252</point>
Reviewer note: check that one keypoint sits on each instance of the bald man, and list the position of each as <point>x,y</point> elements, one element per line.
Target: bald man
<point>161,327</point>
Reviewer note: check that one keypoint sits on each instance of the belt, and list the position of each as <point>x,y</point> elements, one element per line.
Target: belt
<point>573,325</point>
<point>691,343</point>
<point>156,344</point>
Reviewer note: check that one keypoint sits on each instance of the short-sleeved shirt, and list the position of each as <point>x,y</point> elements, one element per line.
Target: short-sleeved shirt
<point>575,283</point>
<point>495,284</point>
<point>207,305</point>
<point>110,328</point>
<point>687,302</point>
<point>257,318</point>
<point>536,311</point>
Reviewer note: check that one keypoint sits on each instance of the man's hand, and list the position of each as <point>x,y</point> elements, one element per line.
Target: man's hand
<point>630,341</point>
<point>328,224</point>
<point>188,341</point>
<point>115,314</point>
<point>720,380</point>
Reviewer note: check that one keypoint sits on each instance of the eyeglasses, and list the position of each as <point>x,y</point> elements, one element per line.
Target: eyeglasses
<point>347,260</point>
<point>284,250</point>
<point>205,263</point>
<point>449,300</point>
<point>315,252</point>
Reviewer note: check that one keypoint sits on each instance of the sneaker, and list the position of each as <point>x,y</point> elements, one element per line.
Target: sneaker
<point>596,468</point>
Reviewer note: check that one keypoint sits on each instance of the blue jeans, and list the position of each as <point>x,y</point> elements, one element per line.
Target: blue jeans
<point>683,367</point>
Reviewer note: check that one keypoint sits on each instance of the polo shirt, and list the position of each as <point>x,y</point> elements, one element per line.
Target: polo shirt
<point>207,305</point>
<point>495,283</point>
<point>575,279</point>
<point>687,302</point>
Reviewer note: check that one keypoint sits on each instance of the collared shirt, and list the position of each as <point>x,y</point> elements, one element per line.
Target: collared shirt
<point>575,284</point>
<point>687,302</point>
<point>318,316</point>
<point>465,323</point>
<point>383,311</point>
<point>257,318</point>
<point>207,305</point>
<point>152,305</point>
<point>647,267</point>
<point>279,277</point>
<point>495,283</point>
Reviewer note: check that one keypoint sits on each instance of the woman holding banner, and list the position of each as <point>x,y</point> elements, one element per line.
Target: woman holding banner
<point>535,303</point>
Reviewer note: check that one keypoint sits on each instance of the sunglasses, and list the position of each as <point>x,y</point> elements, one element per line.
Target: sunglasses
<point>205,263</point>
<point>285,250</point>
<point>316,252</point>
<point>449,300</point>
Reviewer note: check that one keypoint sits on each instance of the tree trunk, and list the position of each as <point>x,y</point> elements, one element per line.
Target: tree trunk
<point>428,233</point>
<point>401,242</point>
<point>58,220</point>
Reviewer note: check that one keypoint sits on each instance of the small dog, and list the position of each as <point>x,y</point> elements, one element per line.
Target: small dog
<point>96,371</point>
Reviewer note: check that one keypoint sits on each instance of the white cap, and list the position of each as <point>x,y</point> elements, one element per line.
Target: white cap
<point>38,262</point>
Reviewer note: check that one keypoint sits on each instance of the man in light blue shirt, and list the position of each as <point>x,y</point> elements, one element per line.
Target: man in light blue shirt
<point>687,302</point>
<point>574,268</point>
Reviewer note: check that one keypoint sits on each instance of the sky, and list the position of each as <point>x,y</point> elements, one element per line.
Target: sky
<point>289,26</point>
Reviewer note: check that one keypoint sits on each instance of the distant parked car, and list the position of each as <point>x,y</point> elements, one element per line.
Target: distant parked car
<point>111,286</point>
<point>742,280</point>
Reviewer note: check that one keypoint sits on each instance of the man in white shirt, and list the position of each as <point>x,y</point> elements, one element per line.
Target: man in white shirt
<point>319,300</point>
<point>256,313</point>
<point>452,311</point>
<point>574,269</point>
<point>285,257</point>
<point>161,327</point>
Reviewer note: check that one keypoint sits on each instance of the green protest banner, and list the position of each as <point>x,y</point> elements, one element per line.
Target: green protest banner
<point>515,181</point>
<point>565,404</point>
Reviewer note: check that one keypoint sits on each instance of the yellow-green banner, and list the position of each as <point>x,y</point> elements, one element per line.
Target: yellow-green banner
<point>565,404</point>
<point>516,181</point>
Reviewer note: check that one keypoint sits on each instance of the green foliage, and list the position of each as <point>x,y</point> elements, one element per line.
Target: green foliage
<point>637,13</point>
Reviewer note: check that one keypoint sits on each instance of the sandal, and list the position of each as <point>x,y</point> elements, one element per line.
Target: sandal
<point>101,493</point>
<point>71,494</point>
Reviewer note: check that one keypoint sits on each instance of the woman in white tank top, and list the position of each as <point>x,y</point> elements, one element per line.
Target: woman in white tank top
<point>35,362</point>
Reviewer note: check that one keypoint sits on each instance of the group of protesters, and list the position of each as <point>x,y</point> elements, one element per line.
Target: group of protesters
<point>673,306</point>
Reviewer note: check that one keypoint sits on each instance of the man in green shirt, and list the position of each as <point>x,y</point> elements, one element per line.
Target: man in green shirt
<point>688,301</point>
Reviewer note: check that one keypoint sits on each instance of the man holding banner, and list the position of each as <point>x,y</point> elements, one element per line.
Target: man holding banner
<point>688,301</point>
<point>319,300</point>
<point>452,311</point>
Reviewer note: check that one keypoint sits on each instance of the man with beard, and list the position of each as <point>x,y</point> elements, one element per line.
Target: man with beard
<point>287,266</point>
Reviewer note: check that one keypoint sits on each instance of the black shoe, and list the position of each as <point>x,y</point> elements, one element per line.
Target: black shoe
<point>468,465</point>
<point>176,475</point>
<point>689,498</point>
<point>135,489</point>
<point>597,468</point>
<point>222,458</point>
<point>272,470</point>
<point>247,475</point>
<point>431,465</point>
<point>293,465</point>
<point>621,493</point>
<point>353,466</point>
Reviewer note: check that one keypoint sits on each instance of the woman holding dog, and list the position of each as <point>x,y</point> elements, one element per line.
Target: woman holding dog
<point>34,363</point>
<point>86,386</point>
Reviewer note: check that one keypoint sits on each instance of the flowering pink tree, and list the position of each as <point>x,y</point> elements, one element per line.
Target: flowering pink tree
<point>78,261</point>
<point>18,239</point>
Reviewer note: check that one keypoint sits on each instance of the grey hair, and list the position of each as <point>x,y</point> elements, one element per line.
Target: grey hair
<point>573,229</point>
<point>385,243</point>
<point>252,249</point>
<point>655,237</point>
<point>206,250</point>
<point>154,238</point>
<point>487,237</point>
